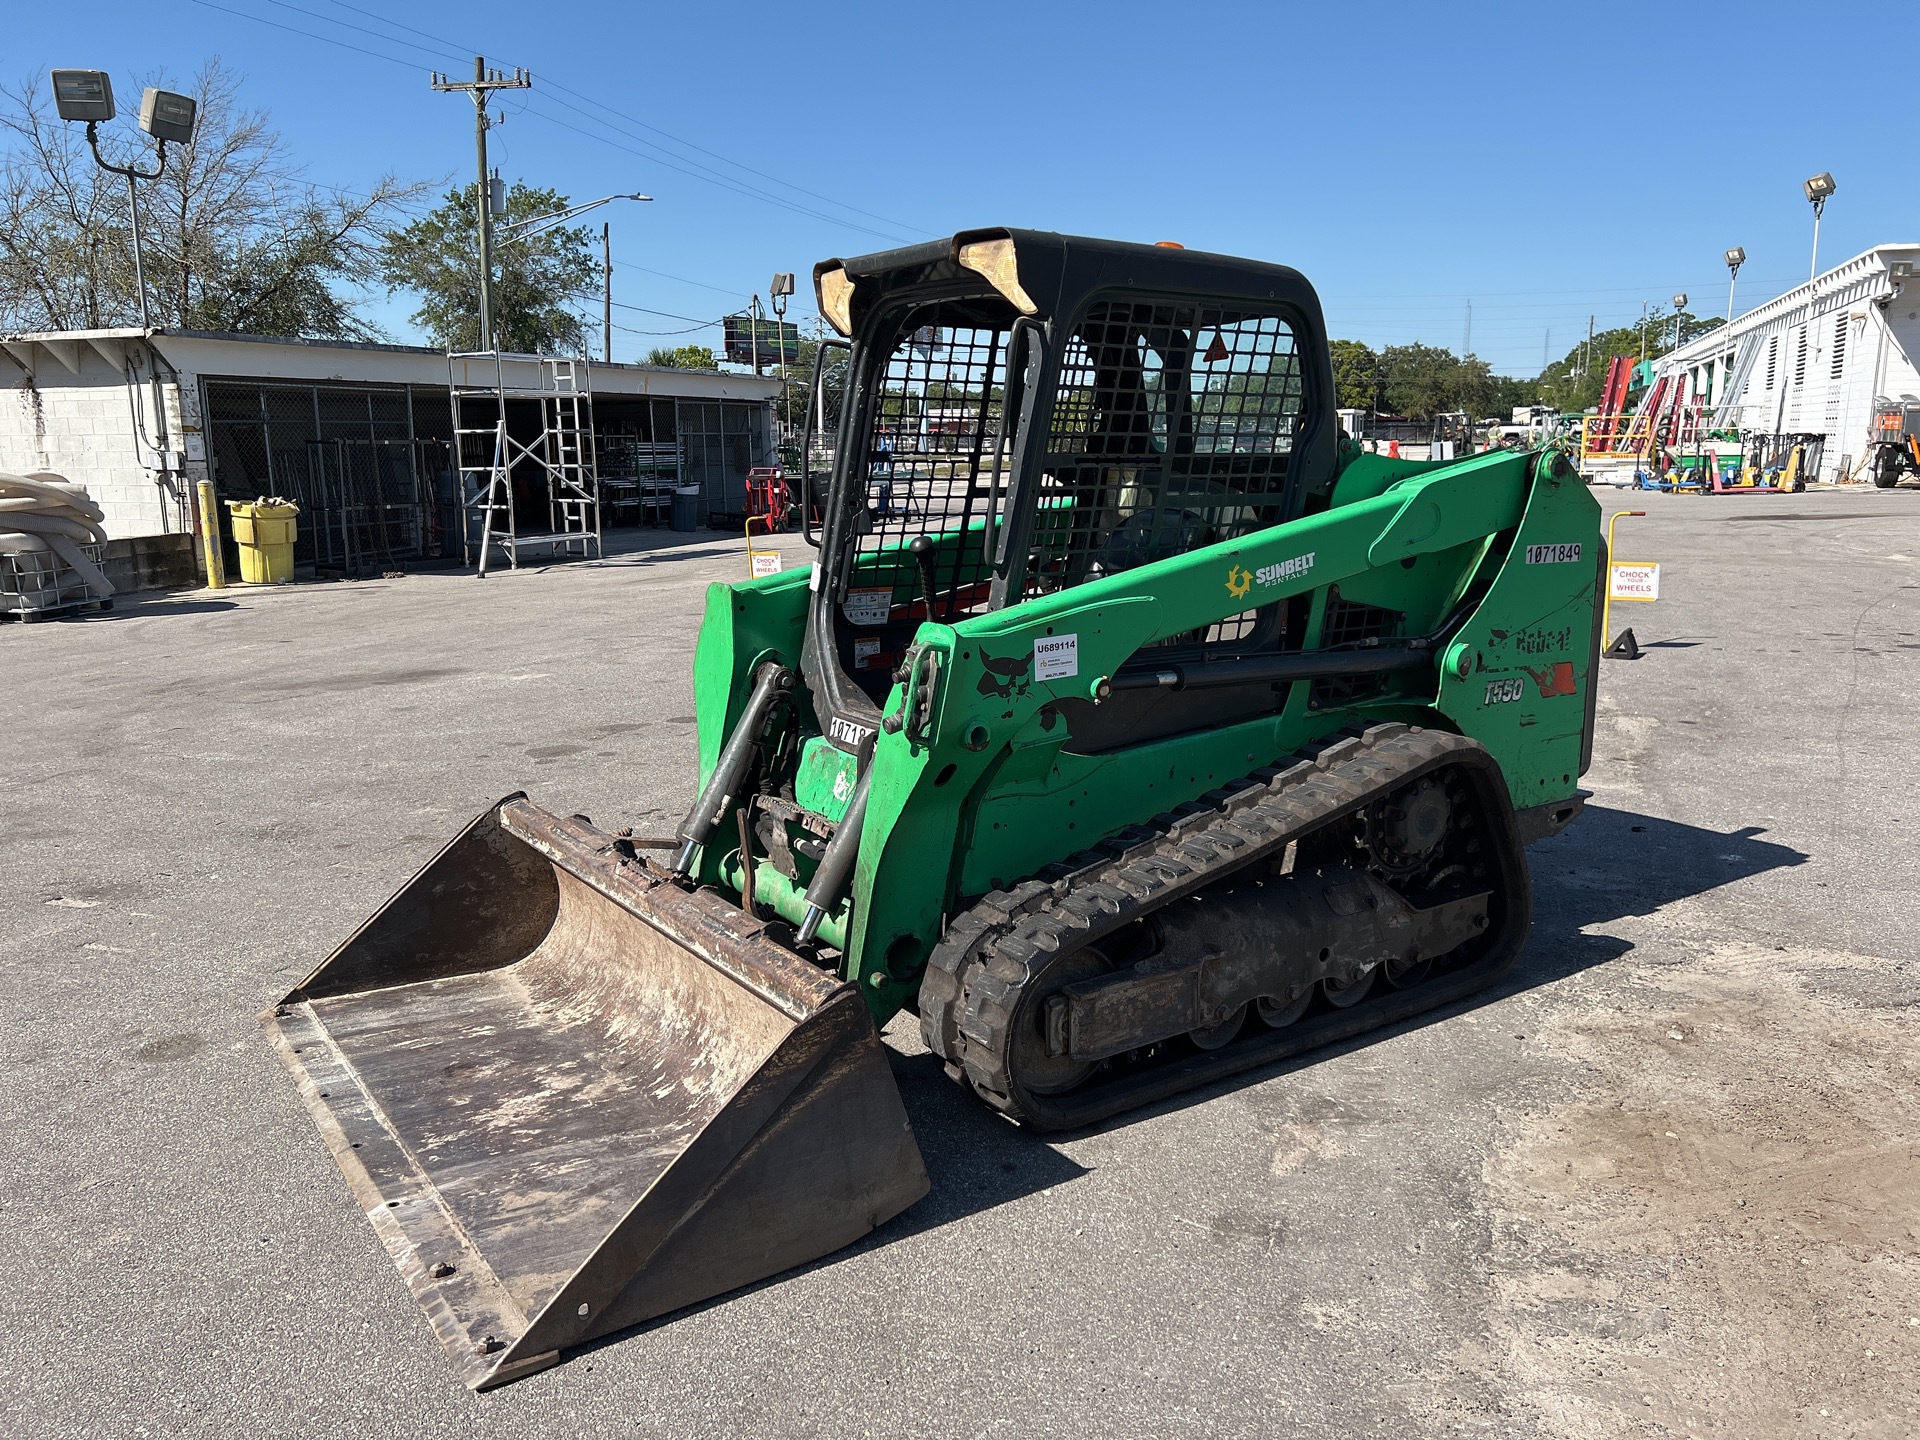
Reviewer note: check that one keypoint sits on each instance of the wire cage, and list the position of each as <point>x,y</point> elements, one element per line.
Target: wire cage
<point>368,505</point>
<point>38,582</point>
<point>928,464</point>
<point>1172,427</point>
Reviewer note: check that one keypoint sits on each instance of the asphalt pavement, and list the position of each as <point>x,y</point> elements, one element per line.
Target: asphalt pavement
<point>205,792</point>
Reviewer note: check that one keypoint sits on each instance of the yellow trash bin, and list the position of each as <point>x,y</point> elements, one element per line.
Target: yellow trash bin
<point>264,529</point>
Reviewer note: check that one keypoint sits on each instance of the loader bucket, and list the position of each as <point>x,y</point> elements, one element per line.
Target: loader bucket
<point>572,1095</point>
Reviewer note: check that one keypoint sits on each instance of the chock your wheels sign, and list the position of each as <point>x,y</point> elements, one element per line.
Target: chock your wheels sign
<point>1633,580</point>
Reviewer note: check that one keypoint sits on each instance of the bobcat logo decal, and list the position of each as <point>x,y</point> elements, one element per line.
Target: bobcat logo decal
<point>1006,675</point>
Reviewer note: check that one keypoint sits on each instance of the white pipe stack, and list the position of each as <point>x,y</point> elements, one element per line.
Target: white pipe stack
<point>44,512</point>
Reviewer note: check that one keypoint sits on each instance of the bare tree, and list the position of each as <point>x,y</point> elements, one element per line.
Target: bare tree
<point>234,237</point>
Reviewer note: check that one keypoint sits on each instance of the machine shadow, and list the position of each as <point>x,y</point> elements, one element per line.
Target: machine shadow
<point>155,604</point>
<point>1610,864</point>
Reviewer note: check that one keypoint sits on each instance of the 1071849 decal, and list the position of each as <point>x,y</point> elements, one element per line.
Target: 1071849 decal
<point>1567,554</point>
<point>1500,692</point>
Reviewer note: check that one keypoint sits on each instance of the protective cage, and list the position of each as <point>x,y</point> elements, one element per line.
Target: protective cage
<point>1172,427</point>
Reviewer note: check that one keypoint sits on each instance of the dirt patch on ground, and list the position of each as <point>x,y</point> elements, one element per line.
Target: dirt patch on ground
<point>1729,1241</point>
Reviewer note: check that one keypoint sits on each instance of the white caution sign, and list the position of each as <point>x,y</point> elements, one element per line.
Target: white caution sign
<point>868,607</point>
<point>764,562</point>
<point>1633,580</point>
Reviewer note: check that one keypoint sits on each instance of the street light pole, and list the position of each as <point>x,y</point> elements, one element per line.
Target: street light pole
<point>132,173</point>
<point>1818,189</point>
<point>1679,304</point>
<point>535,225</point>
<point>88,95</point>
<point>779,291</point>
<point>1735,258</point>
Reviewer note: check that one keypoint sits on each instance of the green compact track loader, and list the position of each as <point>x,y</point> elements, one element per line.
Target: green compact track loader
<point>1132,727</point>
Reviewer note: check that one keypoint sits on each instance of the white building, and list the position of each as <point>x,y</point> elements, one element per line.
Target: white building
<point>1813,360</point>
<point>139,417</point>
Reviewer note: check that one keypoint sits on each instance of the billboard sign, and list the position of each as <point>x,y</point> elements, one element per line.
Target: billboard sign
<point>779,341</point>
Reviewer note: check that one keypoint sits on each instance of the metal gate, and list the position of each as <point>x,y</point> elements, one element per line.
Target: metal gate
<point>369,505</point>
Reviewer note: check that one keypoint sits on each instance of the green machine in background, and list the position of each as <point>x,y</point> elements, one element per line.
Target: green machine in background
<point>1132,728</point>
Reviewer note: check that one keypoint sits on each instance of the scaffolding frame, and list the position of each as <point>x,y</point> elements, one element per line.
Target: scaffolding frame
<point>485,456</point>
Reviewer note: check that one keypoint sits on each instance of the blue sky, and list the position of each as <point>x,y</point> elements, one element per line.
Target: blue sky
<point>1544,163</point>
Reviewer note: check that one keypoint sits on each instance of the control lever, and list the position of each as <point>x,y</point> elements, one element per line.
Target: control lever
<point>921,548</point>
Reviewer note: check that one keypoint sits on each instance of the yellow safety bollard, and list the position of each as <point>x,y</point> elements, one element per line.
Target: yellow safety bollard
<point>210,537</point>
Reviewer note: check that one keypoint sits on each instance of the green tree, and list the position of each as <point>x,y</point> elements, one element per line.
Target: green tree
<point>1356,375</point>
<point>682,357</point>
<point>536,283</point>
<point>1510,393</point>
<point>1419,381</point>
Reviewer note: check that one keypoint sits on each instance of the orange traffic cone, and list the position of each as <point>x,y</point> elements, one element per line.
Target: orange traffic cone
<point>1393,449</point>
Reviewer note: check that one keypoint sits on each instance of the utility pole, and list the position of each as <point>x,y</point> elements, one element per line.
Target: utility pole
<point>483,84</point>
<point>1466,344</point>
<point>606,298</point>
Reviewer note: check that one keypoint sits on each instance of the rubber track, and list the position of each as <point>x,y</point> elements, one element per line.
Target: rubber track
<point>977,976</point>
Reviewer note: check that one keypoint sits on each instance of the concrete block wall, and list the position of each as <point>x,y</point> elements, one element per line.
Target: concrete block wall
<point>150,562</point>
<point>79,426</point>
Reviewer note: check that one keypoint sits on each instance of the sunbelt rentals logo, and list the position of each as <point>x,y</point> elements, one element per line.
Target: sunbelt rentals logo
<point>1241,580</point>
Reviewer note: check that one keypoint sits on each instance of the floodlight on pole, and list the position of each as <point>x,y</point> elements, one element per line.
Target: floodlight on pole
<point>1819,189</point>
<point>87,95</point>
<point>1679,304</point>
<point>83,95</point>
<point>779,291</point>
<point>1735,258</point>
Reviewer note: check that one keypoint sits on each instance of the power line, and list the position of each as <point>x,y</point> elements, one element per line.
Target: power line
<point>654,152</point>
<point>442,54</point>
<point>681,279</point>
<point>690,330</point>
<point>664,314</point>
<point>631,119</point>
<point>296,30</point>
<point>711,179</point>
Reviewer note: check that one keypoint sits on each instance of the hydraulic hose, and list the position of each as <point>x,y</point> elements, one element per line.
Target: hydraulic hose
<point>836,866</point>
<point>770,682</point>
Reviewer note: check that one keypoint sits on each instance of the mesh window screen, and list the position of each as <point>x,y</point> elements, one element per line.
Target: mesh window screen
<point>930,447</point>
<point>1173,427</point>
